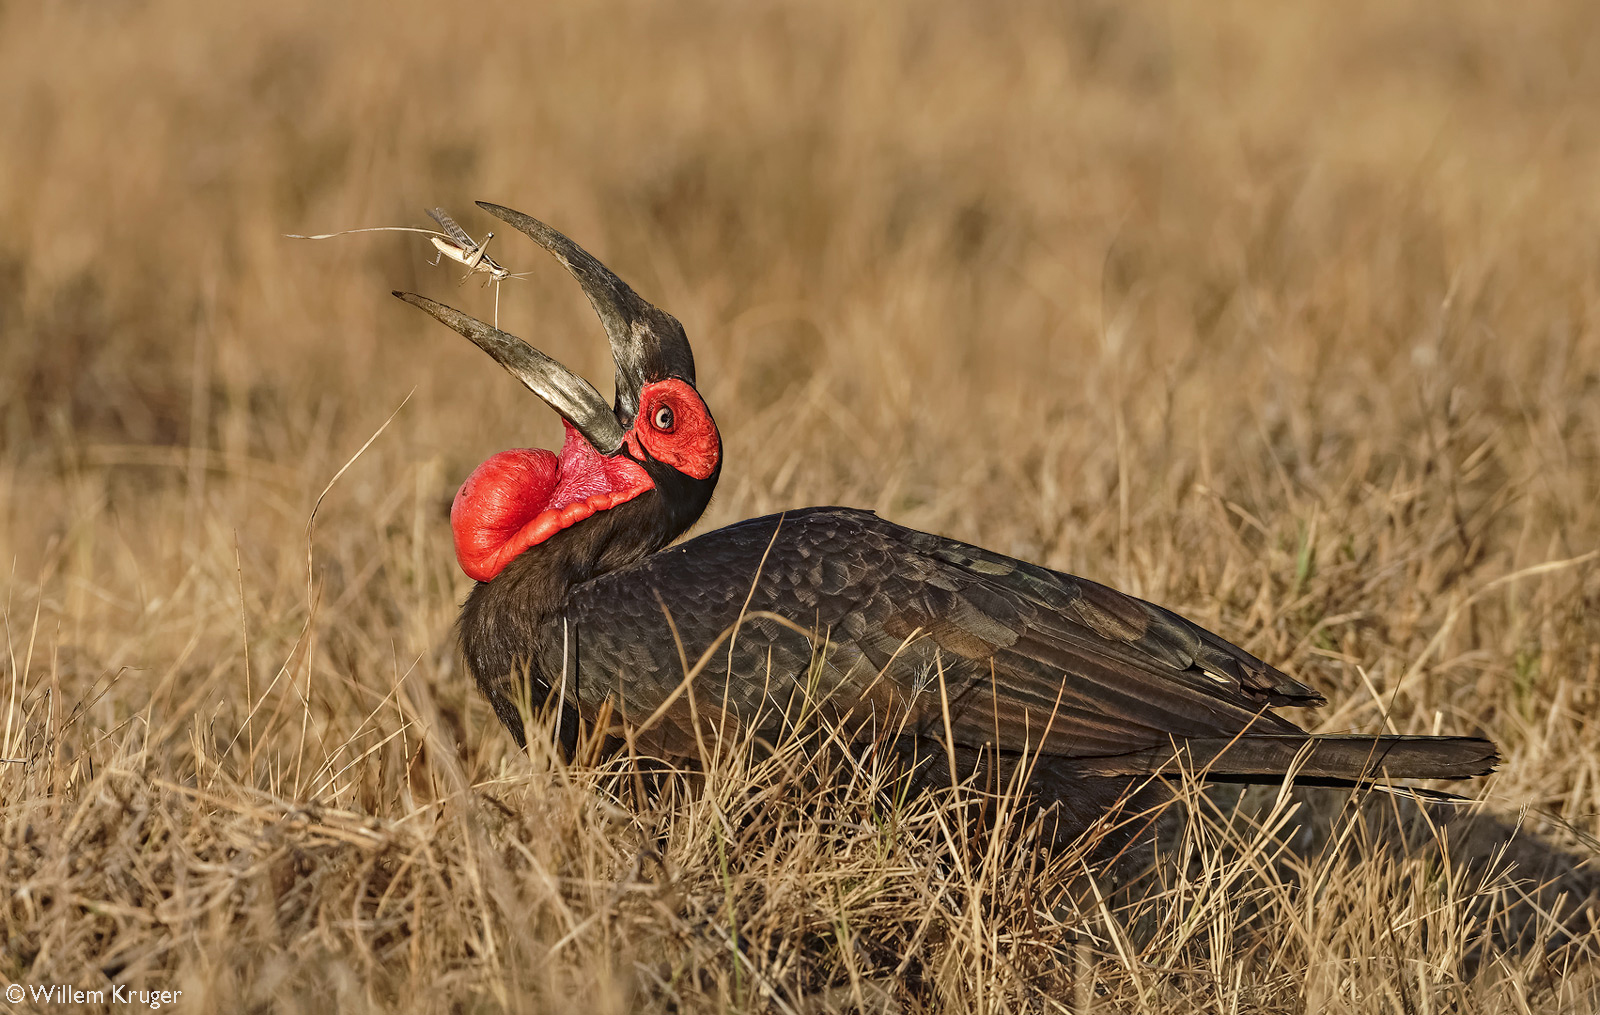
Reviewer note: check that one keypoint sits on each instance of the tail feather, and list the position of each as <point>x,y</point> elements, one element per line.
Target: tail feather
<point>1338,758</point>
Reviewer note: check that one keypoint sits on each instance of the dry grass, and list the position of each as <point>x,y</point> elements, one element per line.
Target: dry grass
<point>1283,315</point>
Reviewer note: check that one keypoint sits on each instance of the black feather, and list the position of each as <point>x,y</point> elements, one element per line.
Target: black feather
<point>1030,660</point>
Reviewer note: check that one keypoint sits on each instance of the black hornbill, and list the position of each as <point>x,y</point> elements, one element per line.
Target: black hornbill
<point>952,651</point>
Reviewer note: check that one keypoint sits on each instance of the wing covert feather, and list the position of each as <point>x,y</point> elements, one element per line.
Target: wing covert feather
<point>892,612</point>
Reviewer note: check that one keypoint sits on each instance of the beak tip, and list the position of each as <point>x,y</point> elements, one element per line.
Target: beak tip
<point>498,211</point>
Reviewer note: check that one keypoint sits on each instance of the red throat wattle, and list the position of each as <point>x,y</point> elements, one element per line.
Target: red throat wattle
<point>524,496</point>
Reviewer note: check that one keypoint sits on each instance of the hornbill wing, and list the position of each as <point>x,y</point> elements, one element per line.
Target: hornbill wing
<point>905,627</point>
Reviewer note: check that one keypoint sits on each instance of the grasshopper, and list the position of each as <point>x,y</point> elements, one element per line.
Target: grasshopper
<point>457,245</point>
<point>454,243</point>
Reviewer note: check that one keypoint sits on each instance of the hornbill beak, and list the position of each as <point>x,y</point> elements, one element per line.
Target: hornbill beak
<point>564,391</point>
<point>647,344</point>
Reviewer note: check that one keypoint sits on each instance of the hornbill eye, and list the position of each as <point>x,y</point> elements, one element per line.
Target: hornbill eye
<point>663,418</point>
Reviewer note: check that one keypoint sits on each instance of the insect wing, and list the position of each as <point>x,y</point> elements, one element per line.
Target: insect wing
<point>449,225</point>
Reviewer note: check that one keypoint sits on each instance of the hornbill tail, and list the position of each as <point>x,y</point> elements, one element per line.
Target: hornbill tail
<point>1347,759</point>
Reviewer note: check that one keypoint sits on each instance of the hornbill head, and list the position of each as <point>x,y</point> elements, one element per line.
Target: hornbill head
<point>656,449</point>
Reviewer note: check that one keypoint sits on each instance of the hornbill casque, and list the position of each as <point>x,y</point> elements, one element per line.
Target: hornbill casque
<point>960,654</point>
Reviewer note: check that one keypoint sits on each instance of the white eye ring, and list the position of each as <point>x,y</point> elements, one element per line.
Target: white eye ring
<point>663,417</point>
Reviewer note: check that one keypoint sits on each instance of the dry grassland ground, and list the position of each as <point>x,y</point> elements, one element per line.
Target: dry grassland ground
<point>1284,315</point>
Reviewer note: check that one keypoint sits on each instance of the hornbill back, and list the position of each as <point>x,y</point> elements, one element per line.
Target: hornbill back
<point>889,632</point>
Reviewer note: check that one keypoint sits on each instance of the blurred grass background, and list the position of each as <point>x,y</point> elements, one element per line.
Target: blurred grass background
<point>1282,315</point>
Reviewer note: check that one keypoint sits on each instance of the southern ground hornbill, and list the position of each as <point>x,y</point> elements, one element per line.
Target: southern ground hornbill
<point>947,651</point>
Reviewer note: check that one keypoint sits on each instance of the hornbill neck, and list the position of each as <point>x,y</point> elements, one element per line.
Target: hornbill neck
<point>505,620</point>
<point>539,579</point>
<point>536,583</point>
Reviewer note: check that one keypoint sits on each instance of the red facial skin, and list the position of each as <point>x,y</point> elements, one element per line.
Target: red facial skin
<point>522,497</point>
<point>690,442</point>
